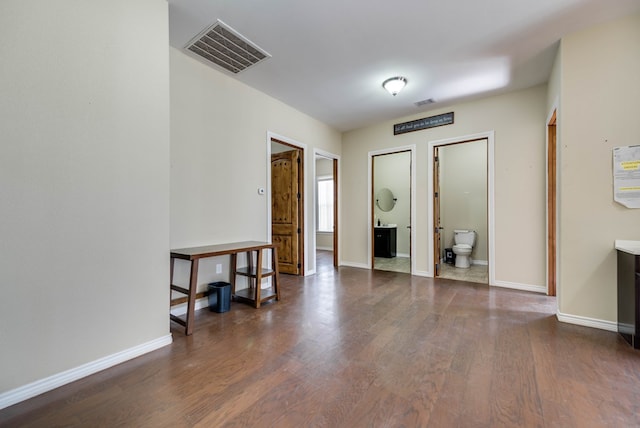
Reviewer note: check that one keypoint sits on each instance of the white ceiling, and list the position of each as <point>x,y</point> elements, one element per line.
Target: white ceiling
<point>330,57</point>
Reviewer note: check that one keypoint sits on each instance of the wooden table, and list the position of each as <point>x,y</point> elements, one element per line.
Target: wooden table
<point>255,272</point>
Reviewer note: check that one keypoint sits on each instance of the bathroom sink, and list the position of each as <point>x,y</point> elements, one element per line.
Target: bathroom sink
<point>388,225</point>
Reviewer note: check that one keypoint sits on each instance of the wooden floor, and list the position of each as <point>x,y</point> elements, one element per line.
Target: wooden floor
<point>359,348</point>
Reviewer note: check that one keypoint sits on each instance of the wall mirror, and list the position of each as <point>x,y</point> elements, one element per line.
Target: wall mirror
<point>385,199</point>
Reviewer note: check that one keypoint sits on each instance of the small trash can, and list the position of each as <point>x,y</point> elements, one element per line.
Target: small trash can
<point>449,257</point>
<point>219,296</point>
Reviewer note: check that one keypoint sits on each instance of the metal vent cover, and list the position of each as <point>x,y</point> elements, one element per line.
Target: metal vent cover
<point>225,47</point>
<point>425,102</point>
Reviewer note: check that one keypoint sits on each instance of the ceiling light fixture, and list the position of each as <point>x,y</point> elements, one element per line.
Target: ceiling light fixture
<point>394,84</point>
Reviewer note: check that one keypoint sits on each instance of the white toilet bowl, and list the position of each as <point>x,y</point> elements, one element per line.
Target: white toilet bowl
<point>464,240</point>
<point>462,252</point>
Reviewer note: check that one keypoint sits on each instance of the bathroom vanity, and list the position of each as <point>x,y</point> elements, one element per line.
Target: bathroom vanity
<point>629,290</point>
<point>385,240</point>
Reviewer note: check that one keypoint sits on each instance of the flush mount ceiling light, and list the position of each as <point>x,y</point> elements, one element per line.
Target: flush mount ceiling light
<point>394,84</point>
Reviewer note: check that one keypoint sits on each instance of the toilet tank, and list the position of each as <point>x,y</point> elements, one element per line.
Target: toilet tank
<point>463,236</point>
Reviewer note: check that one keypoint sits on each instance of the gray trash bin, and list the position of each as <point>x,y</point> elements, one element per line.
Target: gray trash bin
<point>219,296</point>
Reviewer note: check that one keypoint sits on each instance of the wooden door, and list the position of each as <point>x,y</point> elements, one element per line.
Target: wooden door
<point>436,212</point>
<point>285,210</point>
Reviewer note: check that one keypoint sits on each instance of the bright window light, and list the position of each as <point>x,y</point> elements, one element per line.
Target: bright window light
<point>325,205</point>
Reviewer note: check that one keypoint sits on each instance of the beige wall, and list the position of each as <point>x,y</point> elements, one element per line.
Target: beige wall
<point>600,101</point>
<point>324,167</point>
<point>553,87</point>
<point>219,159</point>
<point>324,241</point>
<point>84,167</point>
<point>463,194</point>
<point>393,171</point>
<point>518,121</point>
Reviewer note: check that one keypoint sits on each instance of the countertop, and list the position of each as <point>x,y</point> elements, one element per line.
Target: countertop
<point>631,247</point>
<point>386,226</point>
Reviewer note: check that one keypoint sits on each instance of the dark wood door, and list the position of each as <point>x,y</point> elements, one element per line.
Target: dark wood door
<point>285,210</point>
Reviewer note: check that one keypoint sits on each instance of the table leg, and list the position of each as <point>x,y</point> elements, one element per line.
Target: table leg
<point>250,280</point>
<point>191,305</point>
<point>276,273</point>
<point>232,273</point>
<point>173,262</point>
<point>258,277</point>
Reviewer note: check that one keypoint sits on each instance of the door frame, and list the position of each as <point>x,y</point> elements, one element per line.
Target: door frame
<point>552,200</point>
<point>490,137</point>
<point>303,221</point>
<point>336,207</point>
<point>412,234</point>
<point>435,183</point>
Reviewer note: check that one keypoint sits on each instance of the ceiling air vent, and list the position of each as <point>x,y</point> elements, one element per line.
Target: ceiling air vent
<point>425,102</point>
<point>225,47</point>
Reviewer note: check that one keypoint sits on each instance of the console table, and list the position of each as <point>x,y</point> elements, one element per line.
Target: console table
<point>254,294</point>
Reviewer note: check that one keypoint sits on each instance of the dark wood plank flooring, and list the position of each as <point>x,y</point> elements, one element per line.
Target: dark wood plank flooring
<point>356,348</point>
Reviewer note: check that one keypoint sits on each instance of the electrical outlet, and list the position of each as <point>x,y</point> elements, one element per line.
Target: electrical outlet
<point>219,268</point>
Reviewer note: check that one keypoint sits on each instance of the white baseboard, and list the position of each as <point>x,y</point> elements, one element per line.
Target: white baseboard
<point>324,248</point>
<point>479,262</point>
<point>424,273</point>
<point>355,265</point>
<point>403,255</point>
<point>181,309</point>
<point>587,322</point>
<point>41,386</point>
<point>524,287</point>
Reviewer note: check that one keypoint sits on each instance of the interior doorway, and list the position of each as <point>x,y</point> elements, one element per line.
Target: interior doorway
<point>391,210</point>
<point>326,209</point>
<point>287,205</point>
<point>460,211</point>
<point>461,172</point>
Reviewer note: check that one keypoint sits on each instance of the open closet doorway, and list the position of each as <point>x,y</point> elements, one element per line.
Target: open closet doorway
<point>461,232</point>
<point>287,205</point>
<point>391,210</point>
<point>326,211</point>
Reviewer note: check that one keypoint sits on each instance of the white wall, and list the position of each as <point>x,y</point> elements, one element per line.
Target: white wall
<point>463,194</point>
<point>219,159</point>
<point>518,120</point>
<point>393,171</point>
<point>600,101</point>
<point>84,173</point>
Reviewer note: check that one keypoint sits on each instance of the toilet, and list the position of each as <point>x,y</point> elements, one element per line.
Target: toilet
<point>464,241</point>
